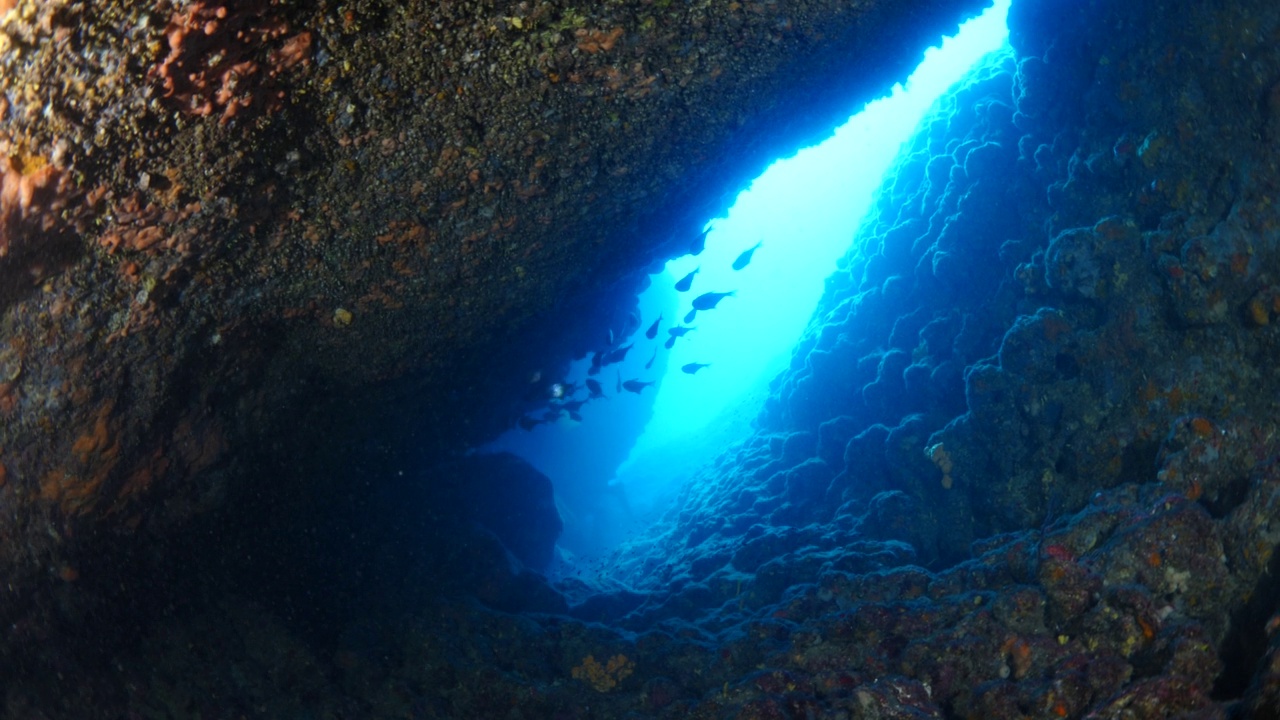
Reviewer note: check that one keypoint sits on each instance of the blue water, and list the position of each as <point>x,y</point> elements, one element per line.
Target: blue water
<point>617,466</point>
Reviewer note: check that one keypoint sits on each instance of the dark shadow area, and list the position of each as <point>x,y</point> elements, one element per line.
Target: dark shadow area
<point>30,262</point>
<point>368,531</point>
<point>1246,643</point>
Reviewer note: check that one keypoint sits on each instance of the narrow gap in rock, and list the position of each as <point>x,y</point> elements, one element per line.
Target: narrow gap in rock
<point>1246,642</point>
<point>640,416</point>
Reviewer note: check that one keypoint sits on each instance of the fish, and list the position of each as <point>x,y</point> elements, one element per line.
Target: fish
<point>745,257</point>
<point>594,388</point>
<point>686,282</point>
<point>707,301</point>
<point>595,363</point>
<point>574,416</point>
<point>652,332</point>
<point>573,407</point>
<point>618,387</point>
<point>699,243</point>
<point>617,356</point>
<point>551,415</point>
<point>688,318</point>
<point>650,363</point>
<point>527,423</point>
<point>632,324</point>
<point>636,386</point>
<point>692,368</point>
<point>671,342</point>
<point>608,341</point>
<point>680,330</point>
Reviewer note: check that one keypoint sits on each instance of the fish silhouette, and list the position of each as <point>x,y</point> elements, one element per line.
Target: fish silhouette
<point>671,342</point>
<point>618,388</point>
<point>617,356</point>
<point>692,368</point>
<point>594,388</point>
<point>707,301</point>
<point>527,423</point>
<point>679,330</point>
<point>650,363</point>
<point>636,386</point>
<point>745,257</point>
<point>686,282</point>
<point>631,325</point>
<point>652,332</point>
<point>595,363</point>
<point>699,243</point>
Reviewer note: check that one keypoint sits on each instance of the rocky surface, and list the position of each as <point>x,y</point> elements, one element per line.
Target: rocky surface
<point>1023,465</point>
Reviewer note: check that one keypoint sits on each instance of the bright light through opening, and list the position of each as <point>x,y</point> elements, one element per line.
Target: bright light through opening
<point>804,210</point>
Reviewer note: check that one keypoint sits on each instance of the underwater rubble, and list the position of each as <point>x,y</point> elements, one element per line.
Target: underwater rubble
<point>1025,463</point>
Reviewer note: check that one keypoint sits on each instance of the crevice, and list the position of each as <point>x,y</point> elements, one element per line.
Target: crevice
<point>1138,461</point>
<point>1245,645</point>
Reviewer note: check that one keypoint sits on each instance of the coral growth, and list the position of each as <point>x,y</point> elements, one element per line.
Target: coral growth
<point>147,228</point>
<point>604,677</point>
<point>594,41</point>
<point>32,194</point>
<point>229,61</point>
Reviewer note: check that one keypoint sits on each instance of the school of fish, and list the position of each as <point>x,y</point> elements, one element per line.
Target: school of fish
<point>561,400</point>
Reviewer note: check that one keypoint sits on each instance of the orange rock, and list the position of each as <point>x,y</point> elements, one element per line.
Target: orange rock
<point>1148,631</point>
<point>1258,311</point>
<point>93,441</point>
<point>147,237</point>
<point>32,192</point>
<point>1201,427</point>
<point>8,398</point>
<point>1195,490</point>
<point>72,494</point>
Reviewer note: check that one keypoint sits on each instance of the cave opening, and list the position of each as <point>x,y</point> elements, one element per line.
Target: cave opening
<point>1020,458</point>
<point>633,422</point>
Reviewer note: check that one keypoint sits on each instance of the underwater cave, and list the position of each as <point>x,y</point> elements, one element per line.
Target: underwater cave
<point>480,359</point>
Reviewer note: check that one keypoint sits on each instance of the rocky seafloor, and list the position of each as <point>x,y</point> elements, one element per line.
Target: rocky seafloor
<point>1024,464</point>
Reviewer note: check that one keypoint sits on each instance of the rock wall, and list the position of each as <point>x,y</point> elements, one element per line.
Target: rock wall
<point>1042,372</point>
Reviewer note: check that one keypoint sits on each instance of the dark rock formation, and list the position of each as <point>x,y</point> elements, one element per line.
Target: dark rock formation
<point>507,496</point>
